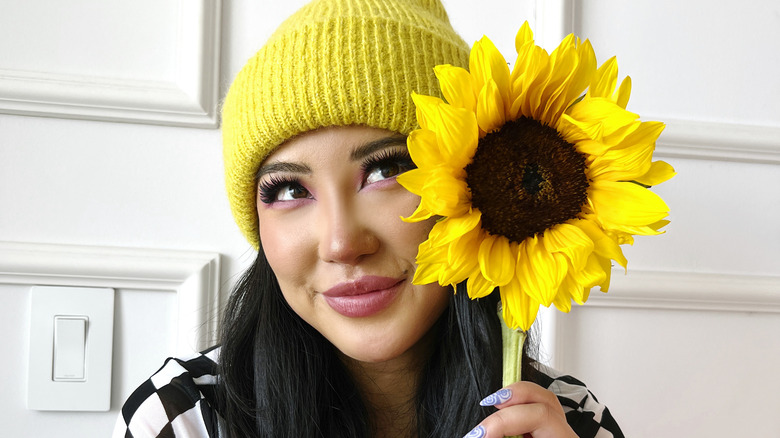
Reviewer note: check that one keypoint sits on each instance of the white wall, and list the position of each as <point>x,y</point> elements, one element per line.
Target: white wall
<point>681,346</point>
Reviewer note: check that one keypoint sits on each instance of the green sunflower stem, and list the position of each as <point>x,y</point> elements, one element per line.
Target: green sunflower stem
<point>512,340</point>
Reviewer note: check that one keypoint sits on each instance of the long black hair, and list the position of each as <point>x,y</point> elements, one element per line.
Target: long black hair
<point>280,377</point>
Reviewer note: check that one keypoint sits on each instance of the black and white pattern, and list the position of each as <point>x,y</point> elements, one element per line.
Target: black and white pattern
<point>584,413</point>
<point>174,402</point>
<point>177,402</point>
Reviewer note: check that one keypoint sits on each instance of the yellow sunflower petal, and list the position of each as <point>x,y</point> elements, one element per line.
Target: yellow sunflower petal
<point>539,271</point>
<point>486,63</point>
<point>586,69</point>
<point>592,274</point>
<point>625,203</point>
<point>624,92</point>
<point>519,310</point>
<point>618,135</point>
<point>606,267</point>
<point>548,94</point>
<point>658,225</point>
<point>563,298</point>
<point>620,236</point>
<point>490,108</point>
<point>429,252</point>
<point>659,172</point>
<point>576,291</point>
<point>528,77</point>
<point>603,112</point>
<point>456,129</point>
<point>458,268</point>
<point>571,241</point>
<point>593,129</point>
<point>603,245</point>
<point>426,273</point>
<point>555,93</point>
<point>459,134</point>
<point>575,131</point>
<point>649,230</point>
<point>457,86</point>
<point>630,159</point>
<point>427,108</point>
<point>424,148</point>
<point>604,82</point>
<point>449,200</point>
<point>420,214</point>
<point>592,148</point>
<point>451,228</point>
<point>524,35</point>
<point>496,260</point>
<point>478,286</point>
<point>414,180</point>
<point>466,246</point>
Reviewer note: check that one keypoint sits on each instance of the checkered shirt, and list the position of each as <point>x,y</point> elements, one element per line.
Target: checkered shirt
<point>585,415</point>
<point>177,402</point>
<point>174,402</point>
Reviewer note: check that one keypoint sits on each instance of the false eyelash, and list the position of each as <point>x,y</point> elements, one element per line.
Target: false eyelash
<point>269,188</point>
<point>388,156</point>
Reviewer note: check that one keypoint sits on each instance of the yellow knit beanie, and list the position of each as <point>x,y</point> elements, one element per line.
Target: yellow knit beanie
<point>334,62</point>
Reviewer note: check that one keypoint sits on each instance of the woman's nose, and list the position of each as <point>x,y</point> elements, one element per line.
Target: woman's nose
<point>344,236</point>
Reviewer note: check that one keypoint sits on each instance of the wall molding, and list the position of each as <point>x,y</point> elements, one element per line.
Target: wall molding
<point>554,20</point>
<point>719,141</point>
<point>193,276</point>
<point>690,291</point>
<point>668,291</point>
<point>191,99</point>
<point>682,138</point>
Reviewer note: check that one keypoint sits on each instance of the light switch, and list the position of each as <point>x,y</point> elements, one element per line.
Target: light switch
<point>70,336</point>
<point>71,343</point>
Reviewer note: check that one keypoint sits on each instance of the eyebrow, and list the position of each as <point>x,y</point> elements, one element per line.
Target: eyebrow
<point>358,153</point>
<point>369,148</point>
<point>282,167</point>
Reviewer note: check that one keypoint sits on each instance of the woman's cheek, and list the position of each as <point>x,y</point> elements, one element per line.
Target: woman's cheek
<point>408,234</point>
<point>282,245</point>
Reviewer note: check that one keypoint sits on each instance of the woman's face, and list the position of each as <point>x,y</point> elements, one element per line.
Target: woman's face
<point>330,214</point>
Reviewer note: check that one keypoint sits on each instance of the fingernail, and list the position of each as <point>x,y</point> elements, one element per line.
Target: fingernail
<point>477,432</point>
<point>496,398</point>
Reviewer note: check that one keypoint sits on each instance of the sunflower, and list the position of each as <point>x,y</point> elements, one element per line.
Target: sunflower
<point>536,175</point>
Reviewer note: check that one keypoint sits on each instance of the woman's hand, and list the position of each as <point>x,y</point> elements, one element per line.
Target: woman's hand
<point>524,408</point>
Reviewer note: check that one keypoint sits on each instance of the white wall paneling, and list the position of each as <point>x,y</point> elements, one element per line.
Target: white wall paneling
<point>705,68</point>
<point>125,88</point>
<point>193,276</point>
<point>678,354</point>
<point>686,291</point>
<point>554,20</point>
<point>717,129</point>
<point>720,141</point>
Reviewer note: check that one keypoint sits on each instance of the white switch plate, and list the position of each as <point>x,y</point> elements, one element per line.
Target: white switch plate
<point>70,345</point>
<point>93,392</point>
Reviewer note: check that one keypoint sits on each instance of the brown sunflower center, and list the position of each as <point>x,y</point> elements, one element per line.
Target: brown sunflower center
<point>525,178</point>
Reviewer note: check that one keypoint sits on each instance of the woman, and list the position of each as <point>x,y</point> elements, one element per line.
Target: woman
<point>326,335</point>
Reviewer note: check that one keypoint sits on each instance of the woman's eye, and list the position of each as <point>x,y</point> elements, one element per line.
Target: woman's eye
<point>278,189</point>
<point>383,171</point>
<point>388,164</point>
<point>290,192</point>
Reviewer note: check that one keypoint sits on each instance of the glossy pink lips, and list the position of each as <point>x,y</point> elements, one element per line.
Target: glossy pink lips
<point>363,297</point>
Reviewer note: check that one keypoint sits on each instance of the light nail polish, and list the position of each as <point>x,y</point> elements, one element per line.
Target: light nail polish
<point>477,432</point>
<point>501,396</point>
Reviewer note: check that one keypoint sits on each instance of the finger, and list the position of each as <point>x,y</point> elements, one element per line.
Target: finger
<point>539,420</point>
<point>521,393</point>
